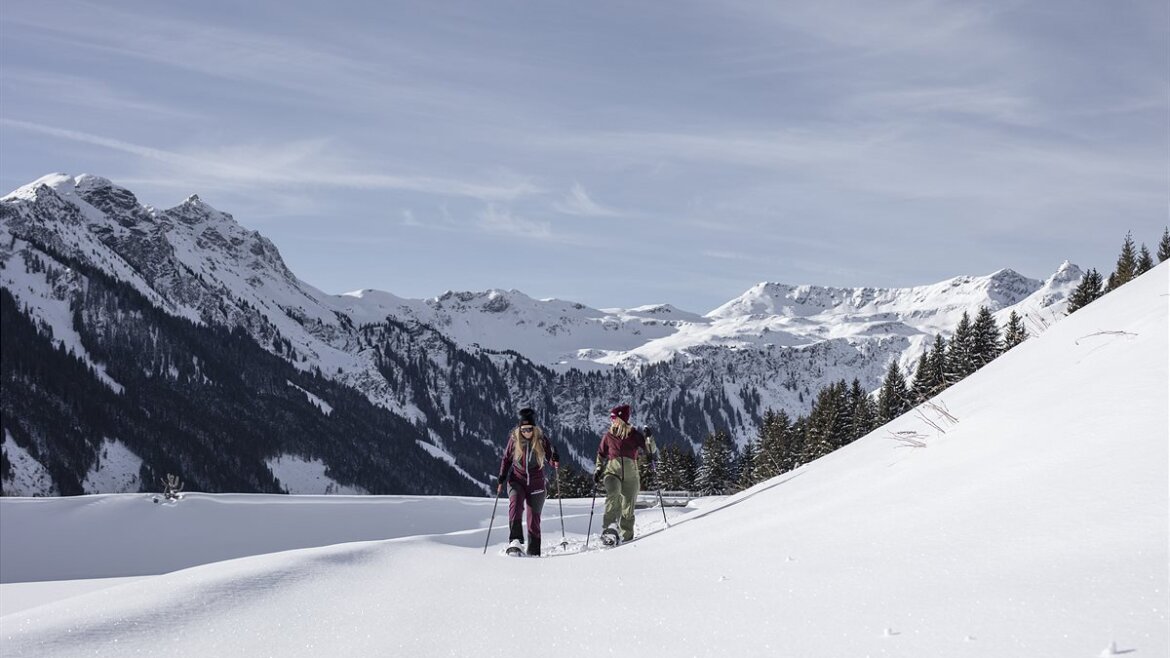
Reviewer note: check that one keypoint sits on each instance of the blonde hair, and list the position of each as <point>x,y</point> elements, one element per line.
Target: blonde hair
<point>518,448</point>
<point>619,428</point>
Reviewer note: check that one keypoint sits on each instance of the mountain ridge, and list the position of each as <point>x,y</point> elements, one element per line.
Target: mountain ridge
<point>456,366</point>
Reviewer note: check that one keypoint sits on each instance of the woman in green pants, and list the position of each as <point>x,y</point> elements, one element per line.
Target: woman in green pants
<point>617,469</point>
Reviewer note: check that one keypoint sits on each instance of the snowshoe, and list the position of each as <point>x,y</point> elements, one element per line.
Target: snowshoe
<point>610,537</point>
<point>514,549</point>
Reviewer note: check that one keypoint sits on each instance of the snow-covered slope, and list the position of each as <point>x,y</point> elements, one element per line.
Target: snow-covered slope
<point>191,260</point>
<point>1021,513</point>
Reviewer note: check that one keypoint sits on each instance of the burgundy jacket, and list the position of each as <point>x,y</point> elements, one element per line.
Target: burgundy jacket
<point>612,447</point>
<point>527,471</point>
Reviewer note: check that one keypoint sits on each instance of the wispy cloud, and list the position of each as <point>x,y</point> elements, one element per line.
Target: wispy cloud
<point>578,202</point>
<point>976,101</point>
<point>495,219</point>
<point>367,70</point>
<point>303,162</point>
<point>92,95</point>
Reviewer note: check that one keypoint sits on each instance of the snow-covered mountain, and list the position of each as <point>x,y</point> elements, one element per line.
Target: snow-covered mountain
<point>455,367</point>
<point>1023,512</point>
<point>562,334</point>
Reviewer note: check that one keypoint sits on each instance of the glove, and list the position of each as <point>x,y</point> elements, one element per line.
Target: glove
<point>647,431</point>
<point>501,479</point>
<point>597,476</point>
<point>555,463</point>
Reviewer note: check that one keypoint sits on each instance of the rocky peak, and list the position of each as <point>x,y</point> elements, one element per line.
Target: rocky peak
<point>116,202</point>
<point>1007,287</point>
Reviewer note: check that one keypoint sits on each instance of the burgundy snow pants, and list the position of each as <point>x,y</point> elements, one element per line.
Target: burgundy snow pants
<point>518,496</point>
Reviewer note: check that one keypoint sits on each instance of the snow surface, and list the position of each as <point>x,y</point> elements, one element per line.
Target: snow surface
<point>306,476</point>
<point>1024,512</point>
<point>116,471</point>
<point>30,478</point>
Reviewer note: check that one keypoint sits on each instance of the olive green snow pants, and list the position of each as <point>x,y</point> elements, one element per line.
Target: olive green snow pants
<point>621,492</point>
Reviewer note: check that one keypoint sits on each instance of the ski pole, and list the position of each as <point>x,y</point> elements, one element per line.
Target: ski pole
<point>663,506</point>
<point>561,504</point>
<point>489,532</point>
<point>591,504</point>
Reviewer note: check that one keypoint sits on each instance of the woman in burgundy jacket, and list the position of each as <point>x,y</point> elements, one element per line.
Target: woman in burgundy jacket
<point>522,468</point>
<point>617,469</point>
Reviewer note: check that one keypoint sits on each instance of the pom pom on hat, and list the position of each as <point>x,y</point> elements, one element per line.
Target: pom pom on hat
<point>621,411</point>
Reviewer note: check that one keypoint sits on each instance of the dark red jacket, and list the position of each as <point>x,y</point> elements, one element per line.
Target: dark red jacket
<point>612,447</point>
<point>527,471</point>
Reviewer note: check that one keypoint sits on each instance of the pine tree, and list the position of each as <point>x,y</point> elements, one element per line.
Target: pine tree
<point>1164,246</point>
<point>863,409</point>
<point>771,456</point>
<point>986,343</point>
<point>960,357</point>
<point>1126,265</point>
<point>798,452</point>
<point>648,479</point>
<point>893,401</point>
<point>827,421</point>
<point>747,476</point>
<point>714,474</point>
<point>938,366</point>
<point>1145,262</point>
<point>1014,333</point>
<point>690,470</point>
<point>1086,291</point>
<point>921,385</point>
<point>672,471</point>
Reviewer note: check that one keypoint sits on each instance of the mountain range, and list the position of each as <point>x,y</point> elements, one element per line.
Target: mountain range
<point>139,342</point>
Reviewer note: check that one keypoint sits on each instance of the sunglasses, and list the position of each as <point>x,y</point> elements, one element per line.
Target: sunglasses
<point>527,429</point>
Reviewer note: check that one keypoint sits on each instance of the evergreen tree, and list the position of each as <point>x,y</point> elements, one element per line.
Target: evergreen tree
<point>1126,268</point>
<point>715,466</point>
<point>986,343</point>
<point>797,454</point>
<point>676,469</point>
<point>1086,291</point>
<point>690,470</point>
<point>747,477</point>
<point>893,401</point>
<point>921,386</point>
<point>827,421</point>
<point>1145,262</point>
<point>771,457</point>
<point>938,367</point>
<point>863,410</point>
<point>1164,246</point>
<point>670,468</point>
<point>1014,333</point>
<point>960,356</point>
<point>647,478</point>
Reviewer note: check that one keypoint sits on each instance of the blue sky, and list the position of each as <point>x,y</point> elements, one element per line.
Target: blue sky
<point>614,153</point>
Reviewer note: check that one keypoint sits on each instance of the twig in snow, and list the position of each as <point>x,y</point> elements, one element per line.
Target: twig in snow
<point>1105,333</point>
<point>909,438</point>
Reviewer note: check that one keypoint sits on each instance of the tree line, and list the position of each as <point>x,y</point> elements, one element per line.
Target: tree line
<point>1131,263</point>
